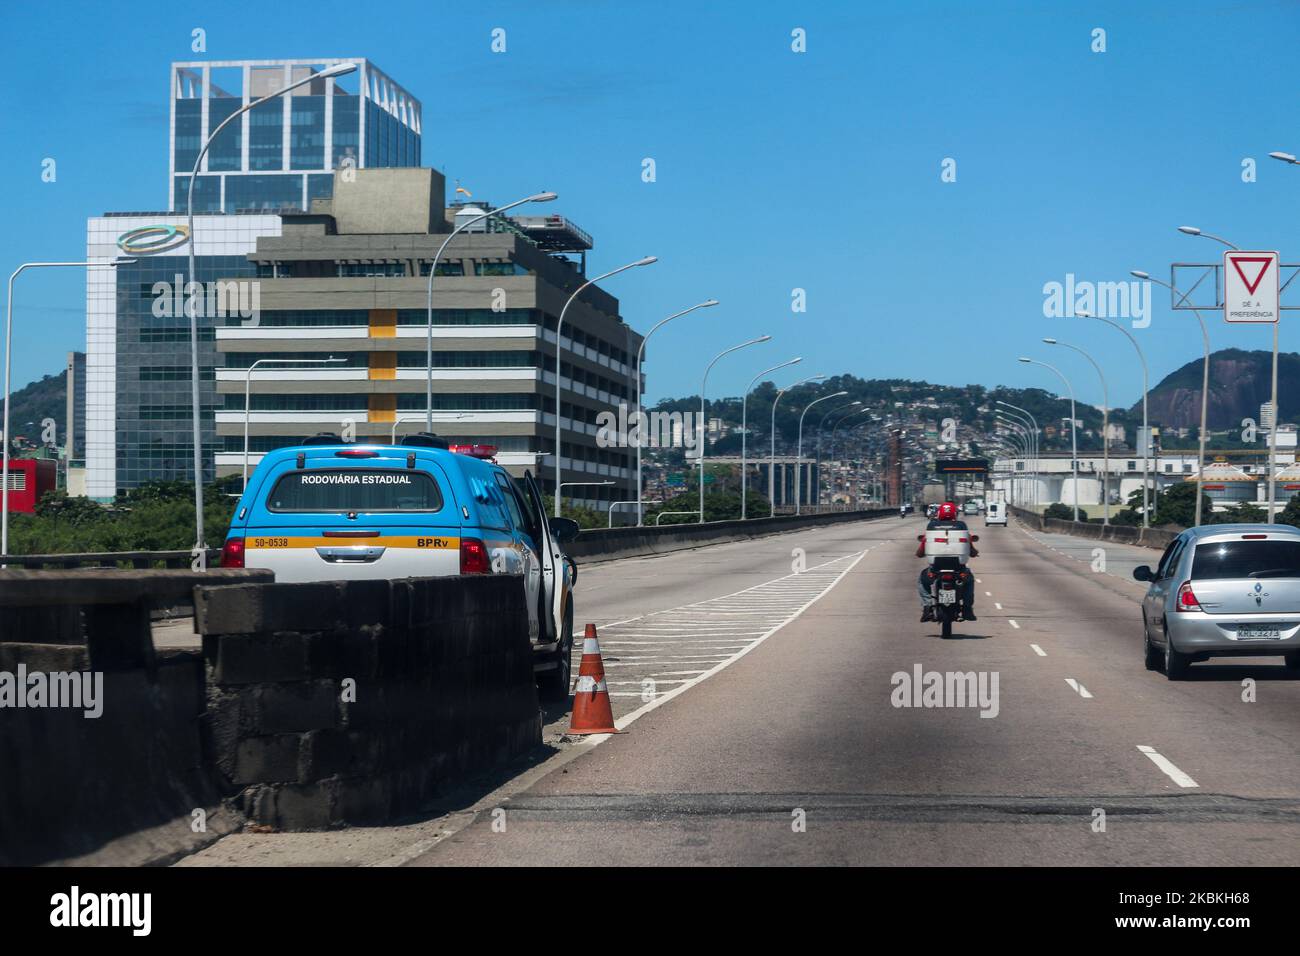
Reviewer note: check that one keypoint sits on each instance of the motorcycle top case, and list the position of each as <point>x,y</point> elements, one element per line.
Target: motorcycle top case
<point>948,543</point>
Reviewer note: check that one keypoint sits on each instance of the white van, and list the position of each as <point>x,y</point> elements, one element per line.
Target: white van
<point>996,513</point>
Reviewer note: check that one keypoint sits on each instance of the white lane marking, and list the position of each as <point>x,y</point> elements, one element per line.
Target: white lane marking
<point>1038,650</point>
<point>622,722</point>
<point>997,605</point>
<point>1079,688</point>
<point>1012,622</point>
<point>1165,764</point>
<point>979,580</point>
<point>988,593</point>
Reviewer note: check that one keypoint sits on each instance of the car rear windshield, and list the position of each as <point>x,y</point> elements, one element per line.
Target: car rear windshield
<point>1278,558</point>
<point>355,489</point>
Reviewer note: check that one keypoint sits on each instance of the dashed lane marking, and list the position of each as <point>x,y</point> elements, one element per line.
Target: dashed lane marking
<point>1167,765</point>
<point>1038,650</point>
<point>1079,688</point>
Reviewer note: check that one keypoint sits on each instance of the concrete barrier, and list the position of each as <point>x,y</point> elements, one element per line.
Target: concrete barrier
<point>356,702</point>
<point>310,705</point>
<point>608,544</point>
<point>1156,538</point>
<point>73,782</point>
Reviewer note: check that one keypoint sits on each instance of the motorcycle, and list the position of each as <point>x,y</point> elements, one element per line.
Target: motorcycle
<point>949,576</point>
<point>949,579</point>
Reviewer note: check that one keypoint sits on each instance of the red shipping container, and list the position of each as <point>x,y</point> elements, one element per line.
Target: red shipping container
<point>29,478</point>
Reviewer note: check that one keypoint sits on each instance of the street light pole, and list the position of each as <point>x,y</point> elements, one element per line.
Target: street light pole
<point>744,427</point>
<point>798,458</point>
<point>433,268</point>
<point>1205,384</point>
<point>9,336</point>
<point>192,293</point>
<point>1272,432</point>
<point>407,419</point>
<point>248,383</point>
<point>704,384</point>
<point>1029,419</point>
<point>821,425</point>
<point>1146,427</point>
<point>559,338</point>
<point>1074,443</point>
<point>771,467</point>
<point>1105,428</point>
<point>640,427</point>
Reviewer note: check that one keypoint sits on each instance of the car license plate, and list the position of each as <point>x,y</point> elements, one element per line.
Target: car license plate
<point>947,597</point>
<point>1253,633</point>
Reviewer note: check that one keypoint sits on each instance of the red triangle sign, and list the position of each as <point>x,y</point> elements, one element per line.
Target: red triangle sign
<point>1262,261</point>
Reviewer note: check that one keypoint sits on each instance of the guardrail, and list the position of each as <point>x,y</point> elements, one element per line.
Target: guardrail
<point>608,544</point>
<point>176,560</point>
<point>1156,538</point>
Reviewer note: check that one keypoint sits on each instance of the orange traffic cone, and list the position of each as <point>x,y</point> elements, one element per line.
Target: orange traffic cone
<point>591,708</point>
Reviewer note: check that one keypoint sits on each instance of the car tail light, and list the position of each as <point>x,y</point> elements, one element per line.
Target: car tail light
<point>473,557</point>
<point>1254,537</point>
<point>1186,599</point>
<point>356,453</point>
<point>232,554</point>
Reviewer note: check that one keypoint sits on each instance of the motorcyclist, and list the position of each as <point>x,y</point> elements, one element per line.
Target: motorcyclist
<point>945,519</point>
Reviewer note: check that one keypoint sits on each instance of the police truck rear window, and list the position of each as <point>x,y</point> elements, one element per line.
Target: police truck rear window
<point>355,489</point>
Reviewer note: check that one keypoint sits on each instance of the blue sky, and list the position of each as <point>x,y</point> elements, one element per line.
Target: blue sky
<point>775,170</point>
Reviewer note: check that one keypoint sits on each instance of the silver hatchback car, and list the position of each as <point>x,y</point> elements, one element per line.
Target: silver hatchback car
<point>1220,591</point>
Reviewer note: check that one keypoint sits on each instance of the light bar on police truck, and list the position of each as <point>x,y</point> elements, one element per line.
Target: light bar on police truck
<point>475,451</point>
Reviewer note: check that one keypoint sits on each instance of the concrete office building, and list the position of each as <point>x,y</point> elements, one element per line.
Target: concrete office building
<point>349,280</point>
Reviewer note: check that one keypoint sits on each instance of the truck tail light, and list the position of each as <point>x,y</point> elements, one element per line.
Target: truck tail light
<point>1186,599</point>
<point>473,557</point>
<point>232,553</point>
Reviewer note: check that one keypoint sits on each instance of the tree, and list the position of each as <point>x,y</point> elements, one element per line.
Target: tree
<point>1058,510</point>
<point>1291,513</point>
<point>1178,506</point>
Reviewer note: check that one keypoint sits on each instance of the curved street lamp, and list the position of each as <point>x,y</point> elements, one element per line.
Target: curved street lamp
<point>640,426</point>
<point>1105,428</point>
<point>771,467</point>
<point>9,335</point>
<point>703,388</point>
<point>338,69</point>
<point>1023,416</point>
<point>744,426</point>
<point>433,269</point>
<point>559,338</point>
<point>248,387</point>
<point>1074,444</point>
<point>1205,382</point>
<point>821,425</point>
<point>798,459</point>
<point>1146,428</point>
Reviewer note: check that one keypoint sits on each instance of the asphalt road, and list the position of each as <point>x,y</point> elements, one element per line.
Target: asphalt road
<point>781,741</point>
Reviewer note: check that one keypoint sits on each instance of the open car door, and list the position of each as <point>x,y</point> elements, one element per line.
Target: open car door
<point>553,567</point>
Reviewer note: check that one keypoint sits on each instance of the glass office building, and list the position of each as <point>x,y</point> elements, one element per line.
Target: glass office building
<point>138,416</point>
<point>281,155</point>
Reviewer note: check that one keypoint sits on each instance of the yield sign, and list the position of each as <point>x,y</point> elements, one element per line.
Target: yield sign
<point>1250,286</point>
